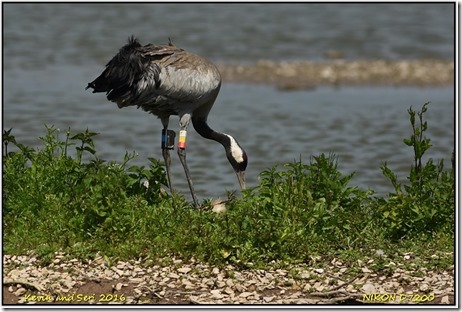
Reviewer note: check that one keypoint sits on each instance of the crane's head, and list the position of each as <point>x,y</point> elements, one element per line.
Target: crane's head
<point>238,159</point>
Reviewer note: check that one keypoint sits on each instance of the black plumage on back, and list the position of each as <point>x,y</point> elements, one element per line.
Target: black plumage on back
<point>122,74</point>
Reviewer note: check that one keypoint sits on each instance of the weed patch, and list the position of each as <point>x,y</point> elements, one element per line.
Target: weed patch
<point>63,197</point>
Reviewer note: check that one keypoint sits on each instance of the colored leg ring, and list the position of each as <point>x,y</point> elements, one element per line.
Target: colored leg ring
<point>182,139</point>
<point>168,139</point>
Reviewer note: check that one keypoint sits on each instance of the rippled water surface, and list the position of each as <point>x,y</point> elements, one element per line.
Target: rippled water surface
<point>52,51</point>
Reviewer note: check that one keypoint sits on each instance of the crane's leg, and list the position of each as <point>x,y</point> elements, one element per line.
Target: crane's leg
<point>168,142</point>
<point>184,122</point>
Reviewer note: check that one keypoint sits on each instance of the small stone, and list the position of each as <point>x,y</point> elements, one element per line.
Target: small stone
<point>366,270</point>
<point>369,288</point>
<point>217,296</point>
<point>173,275</point>
<point>423,287</point>
<point>220,284</point>
<point>245,294</point>
<point>445,300</point>
<point>119,272</point>
<point>318,286</point>
<point>307,287</point>
<point>295,295</point>
<point>119,286</point>
<point>184,270</point>
<point>281,272</point>
<point>19,292</point>
<point>320,271</point>
<point>69,283</point>
<point>268,299</point>
<point>189,286</point>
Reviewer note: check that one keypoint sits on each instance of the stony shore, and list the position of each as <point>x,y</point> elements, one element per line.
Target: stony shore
<point>173,281</point>
<point>300,75</point>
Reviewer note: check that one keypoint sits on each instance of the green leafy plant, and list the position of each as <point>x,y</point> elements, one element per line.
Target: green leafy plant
<point>49,195</point>
<point>294,211</point>
<point>427,203</point>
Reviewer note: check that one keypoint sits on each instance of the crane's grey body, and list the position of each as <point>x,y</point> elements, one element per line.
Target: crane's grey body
<point>165,80</point>
<point>162,79</point>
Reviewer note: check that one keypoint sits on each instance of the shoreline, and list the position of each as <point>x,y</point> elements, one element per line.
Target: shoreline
<point>174,281</point>
<point>306,75</point>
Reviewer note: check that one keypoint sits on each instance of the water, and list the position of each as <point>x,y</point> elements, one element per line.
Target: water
<point>51,51</point>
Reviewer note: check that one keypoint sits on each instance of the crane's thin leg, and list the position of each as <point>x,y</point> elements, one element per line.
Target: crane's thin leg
<point>168,142</point>
<point>184,122</point>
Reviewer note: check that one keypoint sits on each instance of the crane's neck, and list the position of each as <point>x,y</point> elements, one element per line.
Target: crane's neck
<point>236,155</point>
<point>201,126</point>
<point>234,152</point>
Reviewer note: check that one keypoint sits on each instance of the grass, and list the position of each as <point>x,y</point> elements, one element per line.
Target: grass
<point>62,197</point>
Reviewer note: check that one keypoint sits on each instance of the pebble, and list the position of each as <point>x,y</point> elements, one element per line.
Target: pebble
<point>119,286</point>
<point>445,300</point>
<point>268,299</point>
<point>173,275</point>
<point>19,292</point>
<point>369,288</point>
<point>184,270</point>
<point>245,294</point>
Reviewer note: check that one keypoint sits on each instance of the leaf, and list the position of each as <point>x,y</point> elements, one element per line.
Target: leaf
<point>225,253</point>
<point>408,142</point>
<point>78,136</point>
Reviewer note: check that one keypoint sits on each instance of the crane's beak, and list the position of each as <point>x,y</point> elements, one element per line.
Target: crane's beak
<point>241,178</point>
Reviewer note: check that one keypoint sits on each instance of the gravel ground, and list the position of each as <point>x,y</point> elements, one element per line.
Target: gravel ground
<point>66,281</point>
<point>307,75</point>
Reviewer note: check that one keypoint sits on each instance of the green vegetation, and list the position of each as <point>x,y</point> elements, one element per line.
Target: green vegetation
<point>63,197</point>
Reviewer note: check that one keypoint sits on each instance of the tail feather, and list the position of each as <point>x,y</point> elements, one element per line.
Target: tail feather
<point>121,73</point>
